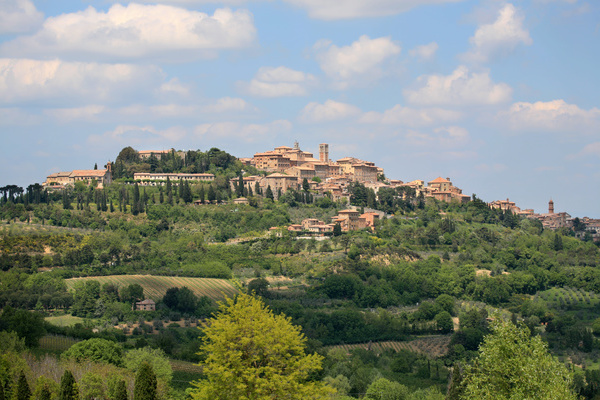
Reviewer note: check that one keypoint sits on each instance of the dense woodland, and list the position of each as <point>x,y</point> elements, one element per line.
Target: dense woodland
<point>430,270</point>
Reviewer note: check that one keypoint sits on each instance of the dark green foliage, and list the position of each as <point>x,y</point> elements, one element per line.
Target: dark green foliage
<point>132,293</point>
<point>259,286</point>
<point>28,325</point>
<point>180,299</point>
<point>145,383</point>
<point>121,391</point>
<point>68,389</point>
<point>45,393</point>
<point>23,391</point>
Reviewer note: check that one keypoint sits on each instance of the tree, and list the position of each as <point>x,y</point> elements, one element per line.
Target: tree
<point>27,325</point>
<point>269,193</point>
<point>513,365</point>
<point>96,350</point>
<point>121,393</point>
<point>23,392</point>
<point>133,292</point>
<point>252,353</point>
<point>68,388</point>
<point>444,322</point>
<point>384,389</point>
<point>156,358</point>
<point>337,229</point>
<point>305,185</point>
<point>145,383</point>
<point>259,286</point>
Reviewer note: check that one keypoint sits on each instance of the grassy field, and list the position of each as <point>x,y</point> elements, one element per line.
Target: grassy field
<point>64,320</point>
<point>432,346</point>
<point>155,287</point>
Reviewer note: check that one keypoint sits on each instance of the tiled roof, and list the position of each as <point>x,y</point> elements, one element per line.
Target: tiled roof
<point>89,172</point>
<point>439,180</point>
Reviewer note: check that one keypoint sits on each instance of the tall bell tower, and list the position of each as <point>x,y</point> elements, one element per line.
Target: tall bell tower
<point>324,153</point>
<point>551,207</point>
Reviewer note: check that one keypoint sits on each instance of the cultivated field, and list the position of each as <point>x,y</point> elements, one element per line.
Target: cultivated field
<point>432,346</point>
<point>155,287</point>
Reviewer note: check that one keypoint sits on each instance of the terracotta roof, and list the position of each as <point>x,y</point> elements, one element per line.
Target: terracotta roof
<point>89,172</point>
<point>439,180</point>
<point>147,301</point>
<point>348,211</point>
<point>278,175</point>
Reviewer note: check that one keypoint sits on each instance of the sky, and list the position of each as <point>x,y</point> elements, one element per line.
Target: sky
<point>499,96</point>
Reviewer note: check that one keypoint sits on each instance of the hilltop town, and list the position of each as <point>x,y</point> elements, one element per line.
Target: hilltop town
<point>287,168</point>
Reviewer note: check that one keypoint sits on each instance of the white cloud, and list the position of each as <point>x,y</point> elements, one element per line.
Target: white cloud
<point>445,137</point>
<point>244,132</point>
<point>500,37</point>
<point>424,52</point>
<point>452,135</point>
<point>360,60</point>
<point>278,82</point>
<point>135,31</point>
<point>228,104</point>
<point>328,111</point>
<point>138,135</point>
<point>86,113</point>
<point>413,117</point>
<point>23,80</point>
<point>347,9</point>
<point>592,149</point>
<point>553,116</point>
<point>462,87</point>
<point>174,87</point>
<point>18,16</point>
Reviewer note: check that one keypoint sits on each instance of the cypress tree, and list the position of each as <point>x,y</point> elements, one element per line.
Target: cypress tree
<point>201,194</point>
<point>269,193</point>
<point>68,390</point>
<point>240,186</point>
<point>145,383</point>
<point>23,391</point>
<point>121,391</point>
<point>1,391</point>
<point>45,393</point>
<point>135,207</point>
<point>212,196</point>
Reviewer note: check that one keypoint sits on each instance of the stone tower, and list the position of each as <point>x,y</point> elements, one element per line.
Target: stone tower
<point>551,207</point>
<point>324,153</point>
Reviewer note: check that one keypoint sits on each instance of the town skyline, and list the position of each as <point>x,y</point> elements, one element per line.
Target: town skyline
<point>500,96</point>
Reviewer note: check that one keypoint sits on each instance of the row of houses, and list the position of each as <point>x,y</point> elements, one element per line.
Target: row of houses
<point>349,220</point>
<point>101,177</point>
<point>303,164</point>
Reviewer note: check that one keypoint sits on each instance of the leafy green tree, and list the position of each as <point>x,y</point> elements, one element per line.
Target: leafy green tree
<point>145,383</point>
<point>156,358</point>
<point>513,365</point>
<point>132,293</point>
<point>23,391</point>
<point>444,322</point>
<point>96,350</point>
<point>252,353</point>
<point>259,286</point>
<point>68,388</point>
<point>384,389</point>
<point>91,386</point>
<point>27,325</point>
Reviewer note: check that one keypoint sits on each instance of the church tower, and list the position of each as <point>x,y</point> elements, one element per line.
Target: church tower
<point>324,153</point>
<point>551,207</point>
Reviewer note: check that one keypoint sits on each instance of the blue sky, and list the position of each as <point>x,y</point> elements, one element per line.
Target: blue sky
<point>500,96</point>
